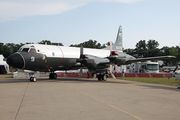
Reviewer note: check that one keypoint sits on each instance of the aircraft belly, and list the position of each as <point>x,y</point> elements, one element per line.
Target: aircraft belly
<point>54,64</point>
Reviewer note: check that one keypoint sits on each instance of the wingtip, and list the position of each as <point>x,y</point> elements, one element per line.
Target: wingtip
<point>172,56</point>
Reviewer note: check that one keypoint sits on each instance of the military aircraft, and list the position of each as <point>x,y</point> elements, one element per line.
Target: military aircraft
<point>49,58</point>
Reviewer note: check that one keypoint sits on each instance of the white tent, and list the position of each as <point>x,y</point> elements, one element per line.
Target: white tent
<point>4,67</point>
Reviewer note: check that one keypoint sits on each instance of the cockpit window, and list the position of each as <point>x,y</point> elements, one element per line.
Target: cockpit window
<point>20,49</point>
<point>32,50</point>
<point>25,49</point>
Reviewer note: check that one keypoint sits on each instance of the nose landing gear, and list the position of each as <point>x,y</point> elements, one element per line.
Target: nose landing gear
<point>33,79</point>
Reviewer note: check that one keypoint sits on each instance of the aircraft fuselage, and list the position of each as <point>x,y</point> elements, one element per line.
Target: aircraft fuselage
<point>50,58</point>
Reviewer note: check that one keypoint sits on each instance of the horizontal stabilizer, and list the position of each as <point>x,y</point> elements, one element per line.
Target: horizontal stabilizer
<point>149,58</point>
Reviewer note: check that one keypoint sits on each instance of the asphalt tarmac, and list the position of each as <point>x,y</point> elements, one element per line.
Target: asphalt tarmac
<point>87,99</point>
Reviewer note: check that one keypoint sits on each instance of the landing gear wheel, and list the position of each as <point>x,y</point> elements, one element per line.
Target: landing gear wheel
<point>32,79</point>
<point>99,77</point>
<point>52,76</point>
<point>104,77</point>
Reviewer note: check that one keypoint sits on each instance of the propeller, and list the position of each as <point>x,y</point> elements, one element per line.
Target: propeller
<point>173,72</point>
<point>84,60</point>
<point>111,55</point>
<point>81,60</point>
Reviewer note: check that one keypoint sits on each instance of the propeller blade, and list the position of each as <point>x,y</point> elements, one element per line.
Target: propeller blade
<point>81,72</point>
<point>169,76</point>
<point>81,51</point>
<point>175,69</point>
<point>81,59</point>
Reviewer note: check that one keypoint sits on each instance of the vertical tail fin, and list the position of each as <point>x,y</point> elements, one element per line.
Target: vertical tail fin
<point>118,45</point>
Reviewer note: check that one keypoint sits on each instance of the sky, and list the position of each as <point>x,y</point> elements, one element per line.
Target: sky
<point>76,21</point>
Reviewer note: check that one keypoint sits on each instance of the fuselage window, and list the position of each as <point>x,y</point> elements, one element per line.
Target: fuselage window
<point>32,50</point>
<point>25,49</point>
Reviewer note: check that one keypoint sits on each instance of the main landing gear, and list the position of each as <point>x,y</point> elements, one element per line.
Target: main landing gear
<point>102,77</point>
<point>52,76</point>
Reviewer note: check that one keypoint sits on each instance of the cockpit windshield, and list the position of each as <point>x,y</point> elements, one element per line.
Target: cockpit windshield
<point>25,50</point>
<point>32,50</point>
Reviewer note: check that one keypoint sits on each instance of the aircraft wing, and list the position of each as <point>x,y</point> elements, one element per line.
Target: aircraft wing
<point>95,62</point>
<point>107,64</point>
<point>149,58</point>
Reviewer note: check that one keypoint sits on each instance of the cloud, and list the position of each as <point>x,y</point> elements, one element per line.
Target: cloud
<point>14,9</point>
<point>125,1</point>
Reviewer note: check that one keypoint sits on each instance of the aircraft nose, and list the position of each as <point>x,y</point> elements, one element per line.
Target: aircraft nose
<point>16,60</point>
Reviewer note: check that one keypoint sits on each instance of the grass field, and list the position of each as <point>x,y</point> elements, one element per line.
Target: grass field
<point>6,76</point>
<point>163,81</point>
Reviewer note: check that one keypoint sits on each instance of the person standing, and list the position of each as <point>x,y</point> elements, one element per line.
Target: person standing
<point>122,74</point>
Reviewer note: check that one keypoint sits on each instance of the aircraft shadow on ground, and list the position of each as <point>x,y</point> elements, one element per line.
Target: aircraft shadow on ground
<point>83,80</point>
<point>60,79</point>
<point>12,80</point>
<point>161,87</point>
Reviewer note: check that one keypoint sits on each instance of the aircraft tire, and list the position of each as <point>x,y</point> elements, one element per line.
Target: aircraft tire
<point>32,79</point>
<point>99,77</point>
<point>104,77</point>
<point>52,76</point>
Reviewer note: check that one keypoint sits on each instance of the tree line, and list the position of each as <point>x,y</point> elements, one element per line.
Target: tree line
<point>143,49</point>
<point>150,49</point>
<point>9,48</point>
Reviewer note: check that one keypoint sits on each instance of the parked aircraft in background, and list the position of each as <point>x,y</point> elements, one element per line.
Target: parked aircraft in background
<point>49,58</point>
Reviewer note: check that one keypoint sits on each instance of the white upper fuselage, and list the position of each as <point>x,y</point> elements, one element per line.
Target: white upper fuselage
<point>64,52</point>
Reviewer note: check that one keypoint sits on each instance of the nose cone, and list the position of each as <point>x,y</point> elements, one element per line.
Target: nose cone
<point>15,60</point>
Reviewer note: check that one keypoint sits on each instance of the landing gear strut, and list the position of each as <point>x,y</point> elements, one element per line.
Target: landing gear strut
<point>52,76</point>
<point>32,77</point>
